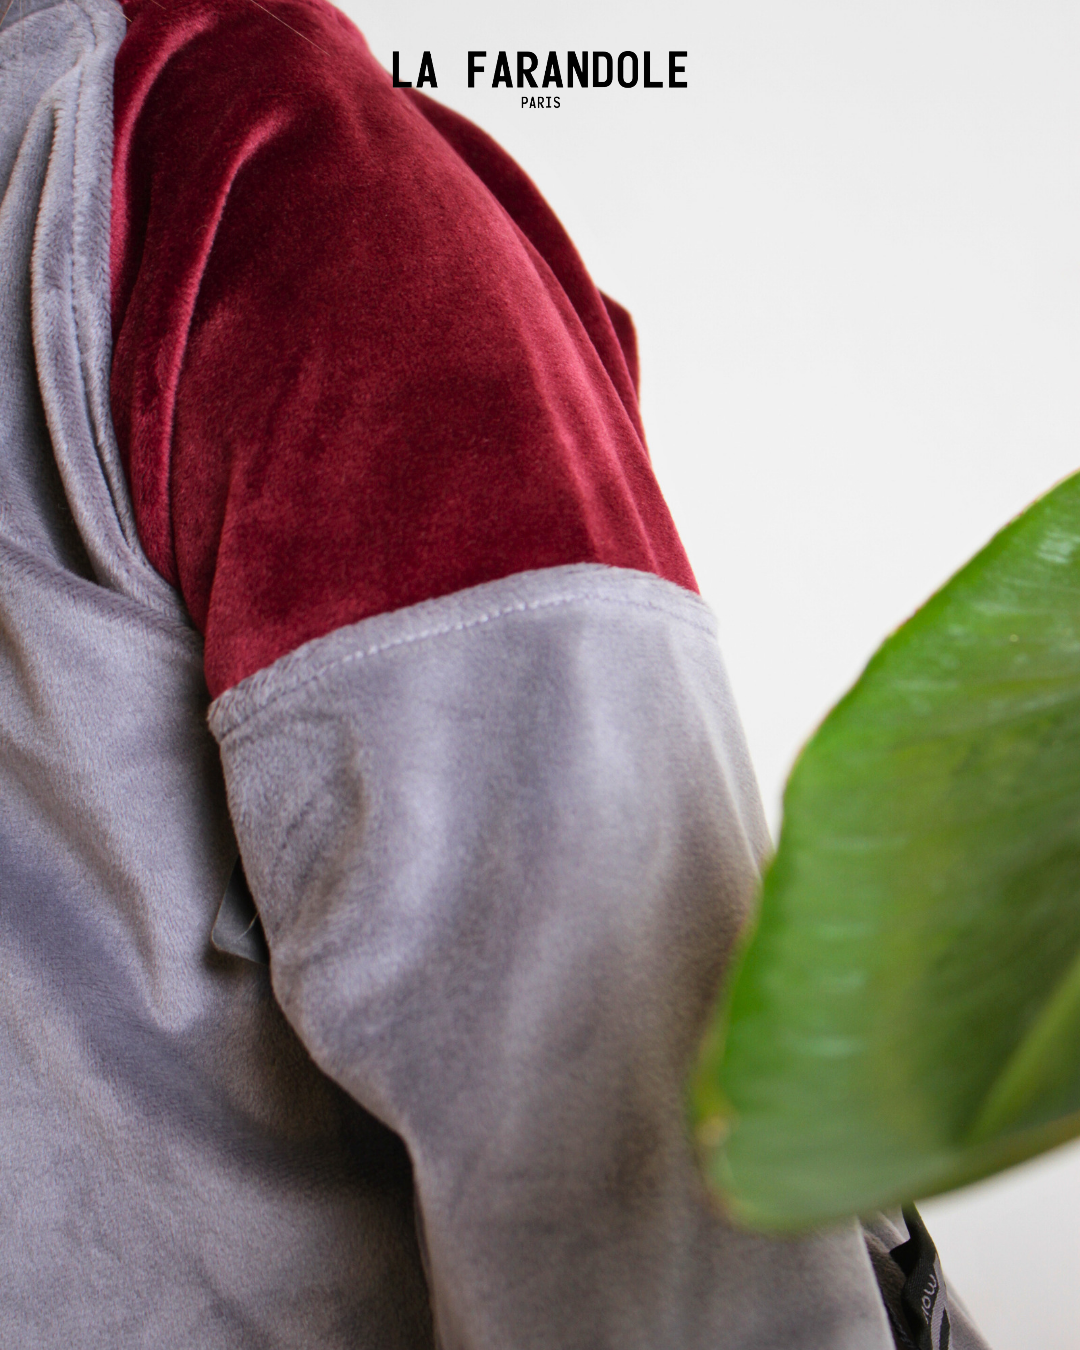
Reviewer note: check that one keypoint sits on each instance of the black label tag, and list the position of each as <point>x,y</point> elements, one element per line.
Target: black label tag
<point>923,1300</point>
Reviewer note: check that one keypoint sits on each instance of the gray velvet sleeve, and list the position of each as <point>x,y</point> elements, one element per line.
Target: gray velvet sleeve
<point>501,844</point>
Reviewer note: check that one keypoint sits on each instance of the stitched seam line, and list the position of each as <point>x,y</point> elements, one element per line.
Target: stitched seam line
<point>443,630</point>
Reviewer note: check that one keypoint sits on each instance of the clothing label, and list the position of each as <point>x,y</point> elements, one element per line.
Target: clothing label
<point>923,1300</point>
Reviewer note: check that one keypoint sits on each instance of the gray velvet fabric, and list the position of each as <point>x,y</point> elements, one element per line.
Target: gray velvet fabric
<point>70,504</point>
<point>174,1170</point>
<point>501,844</point>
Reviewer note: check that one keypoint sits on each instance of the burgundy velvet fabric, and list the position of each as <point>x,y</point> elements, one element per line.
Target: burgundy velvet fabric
<point>358,363</point>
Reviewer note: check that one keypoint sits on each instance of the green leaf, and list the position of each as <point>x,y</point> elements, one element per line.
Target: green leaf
<point>905,1016</point>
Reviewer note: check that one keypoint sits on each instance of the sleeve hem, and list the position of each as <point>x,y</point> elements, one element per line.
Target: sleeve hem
<point>514,597</point>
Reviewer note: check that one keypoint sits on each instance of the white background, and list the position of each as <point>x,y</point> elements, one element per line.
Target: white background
<point>852,250</point>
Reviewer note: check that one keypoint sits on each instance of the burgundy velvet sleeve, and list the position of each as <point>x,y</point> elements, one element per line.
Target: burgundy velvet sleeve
<point>358,363</point>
